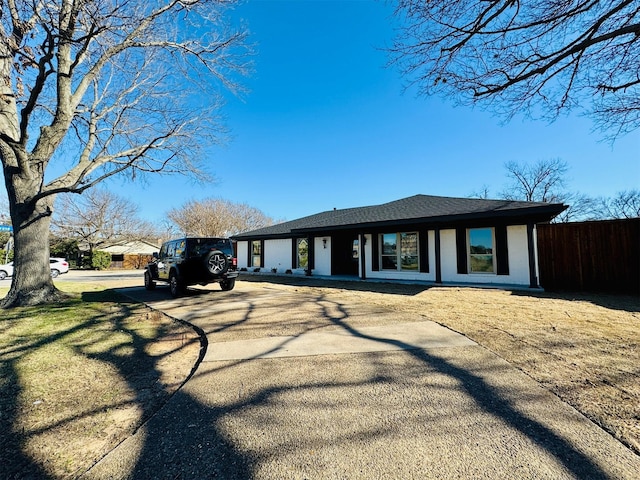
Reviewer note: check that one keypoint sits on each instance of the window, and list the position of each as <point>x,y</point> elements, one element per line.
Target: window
<point>389,255</point>
<point>256,253</point>
<point>303,253</point>
<point>481,250</point>
<point>399,251</point>
<point>180,248</point>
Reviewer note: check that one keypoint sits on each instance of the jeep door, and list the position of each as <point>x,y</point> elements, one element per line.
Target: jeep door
<point>165,258</point>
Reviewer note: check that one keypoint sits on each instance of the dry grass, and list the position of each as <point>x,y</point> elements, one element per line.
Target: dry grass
<point>79,377</point>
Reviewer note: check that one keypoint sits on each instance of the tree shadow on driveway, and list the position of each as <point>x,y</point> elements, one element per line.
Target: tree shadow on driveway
<point>289,418</point>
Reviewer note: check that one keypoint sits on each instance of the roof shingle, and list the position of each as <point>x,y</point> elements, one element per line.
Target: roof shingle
<point>422,208</point>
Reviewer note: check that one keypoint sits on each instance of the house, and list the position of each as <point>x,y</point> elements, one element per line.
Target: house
<point>130,254</point>
<point>419,238</point>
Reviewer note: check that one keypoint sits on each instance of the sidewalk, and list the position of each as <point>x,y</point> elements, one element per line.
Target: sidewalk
<point>294,386</point>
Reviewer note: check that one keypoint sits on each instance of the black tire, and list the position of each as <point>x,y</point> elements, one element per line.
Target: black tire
<point>228,284</point>
<point>3,274</point>
<point>175,285</point>
<point>216,262</point>
<point>149,284</point>
<point>54,273</point>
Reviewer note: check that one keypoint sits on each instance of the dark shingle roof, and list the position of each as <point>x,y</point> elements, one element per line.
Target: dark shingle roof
<point>418,208</point>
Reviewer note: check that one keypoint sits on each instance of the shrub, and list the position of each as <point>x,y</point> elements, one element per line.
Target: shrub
<point>100,260</point>
<point>3,256</point>
<point>65,248</point>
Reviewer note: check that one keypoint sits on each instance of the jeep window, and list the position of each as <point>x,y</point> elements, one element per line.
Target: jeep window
<point>200,246</point>
<point>171,249</point>
<point>180,248</point>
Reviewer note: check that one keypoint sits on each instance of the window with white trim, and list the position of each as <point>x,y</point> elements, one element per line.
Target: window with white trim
<point>481,243</point>
<point>399,251</point>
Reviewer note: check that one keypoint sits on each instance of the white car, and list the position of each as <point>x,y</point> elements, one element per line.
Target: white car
<point>6,270</point>
<point>57,265</point>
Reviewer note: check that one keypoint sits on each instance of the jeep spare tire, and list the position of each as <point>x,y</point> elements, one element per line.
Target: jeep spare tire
<point>216,262</point>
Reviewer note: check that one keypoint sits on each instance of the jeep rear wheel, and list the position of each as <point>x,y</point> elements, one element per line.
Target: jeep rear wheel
<point>175,285</point>
<point>149,284</point>
<point>216,262</point>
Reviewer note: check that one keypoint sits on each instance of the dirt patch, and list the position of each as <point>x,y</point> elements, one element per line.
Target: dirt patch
<point>584,348</point>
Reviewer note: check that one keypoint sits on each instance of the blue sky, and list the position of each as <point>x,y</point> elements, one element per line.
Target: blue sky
<point>325,124</point>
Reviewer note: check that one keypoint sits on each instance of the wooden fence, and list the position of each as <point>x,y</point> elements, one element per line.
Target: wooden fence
<point>601,256</point>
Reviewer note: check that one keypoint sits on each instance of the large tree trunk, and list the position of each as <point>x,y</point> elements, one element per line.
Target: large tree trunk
<point>31,283</point>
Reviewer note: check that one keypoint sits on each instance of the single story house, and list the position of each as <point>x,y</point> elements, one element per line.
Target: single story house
<point>130,254</point>
<point>419,238</point>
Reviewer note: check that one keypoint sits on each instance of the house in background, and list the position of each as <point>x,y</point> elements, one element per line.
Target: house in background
<point>130,255</point>
<point>419,238</point>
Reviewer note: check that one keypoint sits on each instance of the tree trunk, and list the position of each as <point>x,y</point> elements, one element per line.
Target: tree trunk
<point>31,283</point>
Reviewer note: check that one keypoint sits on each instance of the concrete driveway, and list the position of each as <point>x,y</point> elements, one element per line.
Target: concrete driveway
<point>303,385</point>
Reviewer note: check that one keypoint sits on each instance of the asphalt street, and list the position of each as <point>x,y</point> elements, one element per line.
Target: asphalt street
<point>299,385</point>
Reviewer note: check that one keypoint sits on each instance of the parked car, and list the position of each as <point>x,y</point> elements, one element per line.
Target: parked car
<point>57,266</point>
<point>6,270</point>
<point>191,261</point>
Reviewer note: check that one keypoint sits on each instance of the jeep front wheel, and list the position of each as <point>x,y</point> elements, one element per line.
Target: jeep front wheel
<point>175,285</point>
<point>149,284</point>
<point>228,284</point>
<point>216,262</point>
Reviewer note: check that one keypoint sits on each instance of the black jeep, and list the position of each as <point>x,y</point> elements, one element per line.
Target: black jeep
<point>191,261</point>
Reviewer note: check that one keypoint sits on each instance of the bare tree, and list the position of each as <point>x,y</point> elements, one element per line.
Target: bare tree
<point>95,89</point>
<point>99,218</point>
<point>482,193</point>
<point>581,207</point>
<point>539,57</point>
<point>216,217</point>
<point>543,181</point>
<point>625,204</point>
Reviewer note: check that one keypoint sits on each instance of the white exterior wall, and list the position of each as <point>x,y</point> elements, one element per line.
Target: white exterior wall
<point>242,247</point>
<point>367,255</point>
<point>322,264</point>
<point>535,251</point>
<point>277,254</point>
<point>518,260</point>
<point>518,255</point>
<point>448,257</point>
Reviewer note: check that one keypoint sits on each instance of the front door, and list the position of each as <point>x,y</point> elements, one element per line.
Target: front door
<point>345,253</point>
